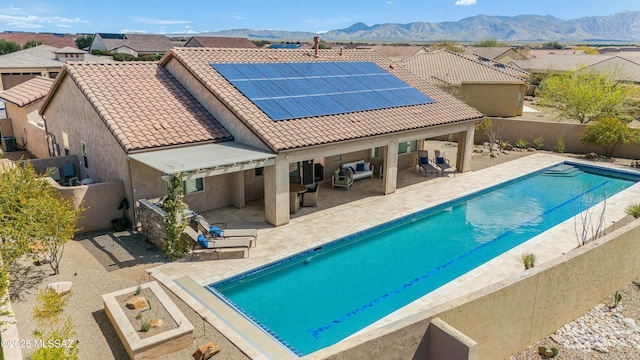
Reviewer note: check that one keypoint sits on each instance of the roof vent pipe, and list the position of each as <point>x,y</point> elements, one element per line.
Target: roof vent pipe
<point>315,45</point>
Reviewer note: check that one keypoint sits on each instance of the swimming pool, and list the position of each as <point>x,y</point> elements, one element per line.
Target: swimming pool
<point>319,297</point>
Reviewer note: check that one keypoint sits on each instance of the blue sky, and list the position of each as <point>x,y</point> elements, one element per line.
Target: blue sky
<point>194,16</point>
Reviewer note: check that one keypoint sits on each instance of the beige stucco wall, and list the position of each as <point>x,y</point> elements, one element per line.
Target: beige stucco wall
<point>28,135</point>
<point>69,111</point>
<point>503,100</point>
<point>509,316</point>
<point>514,129</point>
<point>99,201</point>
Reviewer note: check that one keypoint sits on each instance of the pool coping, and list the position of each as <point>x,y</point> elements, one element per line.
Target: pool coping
<point>402,200</point>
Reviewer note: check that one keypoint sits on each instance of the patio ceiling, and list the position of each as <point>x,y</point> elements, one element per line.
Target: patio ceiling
<point>206,160</point>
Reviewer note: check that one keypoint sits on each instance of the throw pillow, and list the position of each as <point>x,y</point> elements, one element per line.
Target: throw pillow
<point>423,160</point>
<point>216,230</point>
<point>440,160</point>
<point>352,169</point>
<point>367,167</point>
<point>203,241</point>
<point>360,166</point>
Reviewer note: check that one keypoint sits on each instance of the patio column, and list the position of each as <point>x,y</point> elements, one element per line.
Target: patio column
<point>276,192</point>
<point>390,179</point>
<point>465,148</point>
<point>237,193</point>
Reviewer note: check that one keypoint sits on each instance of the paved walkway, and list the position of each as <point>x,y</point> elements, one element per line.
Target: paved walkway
<point>324,225</point>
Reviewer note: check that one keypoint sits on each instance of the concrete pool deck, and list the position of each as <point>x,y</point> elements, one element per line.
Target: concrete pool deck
<point>318,227</point>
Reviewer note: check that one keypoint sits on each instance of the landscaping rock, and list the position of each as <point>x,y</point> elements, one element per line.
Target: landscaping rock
<point>157,323</point>
<point>61,287</point>
<point>206,351</point>
<point>137,302</point>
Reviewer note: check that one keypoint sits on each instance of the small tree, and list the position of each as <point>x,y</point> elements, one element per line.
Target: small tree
<point>31,43</point>
<point>54,331</point>
<point>585,94</point>
<point>609,133</point>
<point>491,42</point>
<point>84,41</point>
<point>175,220</point>
<point>486,127</point>
<point>33,216</point>
<point>7,47</point>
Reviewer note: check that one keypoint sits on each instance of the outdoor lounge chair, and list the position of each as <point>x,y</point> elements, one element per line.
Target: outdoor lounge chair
<point>425,164</point>
<point>200,243</point>
<point>443,163</point>
<point>221,233</point>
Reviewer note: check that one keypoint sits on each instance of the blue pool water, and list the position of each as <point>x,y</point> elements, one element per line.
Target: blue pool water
<point>319,297</point>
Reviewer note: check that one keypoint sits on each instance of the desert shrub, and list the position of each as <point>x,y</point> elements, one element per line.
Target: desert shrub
<point>560,147</point>
<point>538,143</point>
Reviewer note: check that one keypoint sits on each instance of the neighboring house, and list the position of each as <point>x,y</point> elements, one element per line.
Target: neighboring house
<point>538,53</point>
<point>511,70</point>
<point>503,55</point>
<point>483,86</point>
<point>24,123</point>
<point>55,40</point>
<point>220,42</point>
<point>396,53</point>
<point>44,60</point>
<point>141,122</point>
<point>133,44</point>
<point>624,68</point>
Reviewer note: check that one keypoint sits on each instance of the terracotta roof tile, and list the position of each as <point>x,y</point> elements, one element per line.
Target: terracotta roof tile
<point>319,130</point>
<point>220,42</point>
<point>56,40</point>
<point>444,66</point>
<point>28,91</point>
<point>144,106</point>
<point>140,42</point>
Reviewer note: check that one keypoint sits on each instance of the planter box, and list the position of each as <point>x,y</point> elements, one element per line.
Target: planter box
<point>154,346</point>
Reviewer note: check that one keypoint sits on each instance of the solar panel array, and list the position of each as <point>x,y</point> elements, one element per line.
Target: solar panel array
<point>286,91</point>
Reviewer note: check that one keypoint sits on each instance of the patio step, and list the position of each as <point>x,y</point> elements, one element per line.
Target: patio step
<point>563,171</point>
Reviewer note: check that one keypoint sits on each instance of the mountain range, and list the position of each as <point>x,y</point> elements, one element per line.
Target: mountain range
<point>621,27</point>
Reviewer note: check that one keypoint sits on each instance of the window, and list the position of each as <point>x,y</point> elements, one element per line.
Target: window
<point>83,146</point>
<point>193,185</point>
<point>375,152</point>
<point>406,147</point>
<point>259,171</point>
<point>65,143</point>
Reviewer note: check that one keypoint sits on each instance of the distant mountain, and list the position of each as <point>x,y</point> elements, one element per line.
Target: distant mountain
<point>623,26</point>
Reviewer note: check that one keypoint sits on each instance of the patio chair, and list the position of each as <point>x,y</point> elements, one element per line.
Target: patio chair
<point>342,178</point>
<point>201,244</point>
<point>221,233</point>
<point>443,163</point>
<point>310,197</point>
<point>425,164</point>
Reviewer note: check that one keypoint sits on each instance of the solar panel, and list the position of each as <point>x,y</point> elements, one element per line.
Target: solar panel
<point>287,91</point>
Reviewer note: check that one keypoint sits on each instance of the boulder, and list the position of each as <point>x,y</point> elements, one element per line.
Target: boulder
<point>157,323</point>
<point>206,351</point>
<point>137,302</point>
<point>591,156</point>
<point>61,287</point>
<point>508,147</point>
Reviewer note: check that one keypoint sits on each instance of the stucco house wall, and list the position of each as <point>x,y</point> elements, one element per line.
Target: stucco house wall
<point>107,160</point>
<point>504,100</point>
<point>29,134</point>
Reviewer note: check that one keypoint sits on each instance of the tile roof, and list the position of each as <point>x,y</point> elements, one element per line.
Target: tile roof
<point>395,51</point>
<point>489,52</point>
<point>453,68</point>
<point>142,104</point>
<point>559,62</point>
<point>223,42</point>
<point>140,42</point>
<point>502,67</point>
<point>56,40</point>
<point>303,132</point>
<point>538,53</point>
<point>27,92</point>
<point>42,56</point>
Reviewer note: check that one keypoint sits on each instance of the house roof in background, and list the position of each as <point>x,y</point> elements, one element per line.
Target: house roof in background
<point>394,51</point>
<point>538,53</point>
<point>142,105</point>
<point>559,62</point>
<point>505,68</point>
<point>138,42</point>
<point>453,68</point>
<point>489,52</point>
<point>221,42</point>
<point>42,56</point>
<point>316,130</point>
<point>27,92</point>
<point>56,40</point>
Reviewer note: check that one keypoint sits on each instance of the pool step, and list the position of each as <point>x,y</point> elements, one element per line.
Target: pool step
<point>563,171</point>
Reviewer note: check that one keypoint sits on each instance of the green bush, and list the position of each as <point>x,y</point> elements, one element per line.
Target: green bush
<point>633,210</point>
<point>559,148</point>
<point>538,143</point>
<point>521,144</point>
